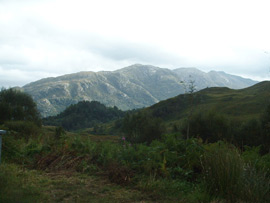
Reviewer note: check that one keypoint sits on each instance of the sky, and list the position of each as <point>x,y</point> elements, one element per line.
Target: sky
<point>48,38</point>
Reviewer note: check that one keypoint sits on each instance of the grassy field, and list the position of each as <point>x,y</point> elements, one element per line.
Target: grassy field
<point>20,181</point>
<point>91,168</point>
<point>27,185</point>
<point>24,178</point>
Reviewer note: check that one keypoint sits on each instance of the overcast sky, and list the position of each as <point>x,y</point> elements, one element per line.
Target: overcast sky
<point>43,38</point>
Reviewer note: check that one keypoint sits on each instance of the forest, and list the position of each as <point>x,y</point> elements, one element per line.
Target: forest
<point>174,151</point>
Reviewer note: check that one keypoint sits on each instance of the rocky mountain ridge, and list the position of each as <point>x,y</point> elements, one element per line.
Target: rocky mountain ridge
<point>132,87</point>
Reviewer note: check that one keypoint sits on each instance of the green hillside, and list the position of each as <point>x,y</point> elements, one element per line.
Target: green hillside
<point>84,114</point>
<point>239,104</point>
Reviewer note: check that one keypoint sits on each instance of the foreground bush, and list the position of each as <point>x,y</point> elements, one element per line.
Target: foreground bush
<point>223,170</point>
<point>227,175</point>
<point>142,128</point>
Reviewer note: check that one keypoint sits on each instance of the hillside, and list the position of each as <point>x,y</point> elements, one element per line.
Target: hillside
<point>84,114</point>
<point>132,87</point>
<point>243,103</point>
<point>213,78</point>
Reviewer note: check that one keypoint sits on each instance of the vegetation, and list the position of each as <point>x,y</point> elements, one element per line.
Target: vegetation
<point>169,169</point>
<point>141,127</point>
<point>242,105</point>
<point>17,106</point>
<point>84,114</point>
<point>213,127</point>
<point>224,159</point>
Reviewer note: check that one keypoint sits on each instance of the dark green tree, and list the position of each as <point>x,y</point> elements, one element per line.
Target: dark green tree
<point>142,127</point>
<point>266,130</point>
<point>84,114</point>
<point>16,105</point>
<point>210,126</point>
<point>249,133</point>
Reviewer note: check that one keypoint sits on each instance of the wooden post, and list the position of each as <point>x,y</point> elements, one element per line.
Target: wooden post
<point>2,132</point>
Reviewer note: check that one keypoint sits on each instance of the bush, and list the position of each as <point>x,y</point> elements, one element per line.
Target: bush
<point>249,133</point>
<point>142,127</point>
<point>23,129</point>
<point>256,185</point>
<point>17,105</point>
<point>210,126</point>
<point>228,176</point>
<point>12,149</point>
<point>223,169</point>
<point>252,156</point>
<point>266,130</point>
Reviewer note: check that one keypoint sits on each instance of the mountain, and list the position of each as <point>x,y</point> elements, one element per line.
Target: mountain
<point>132,87</point>
<point>213,78</point>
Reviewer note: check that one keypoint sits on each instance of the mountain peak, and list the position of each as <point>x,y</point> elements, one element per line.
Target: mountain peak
<point>188,69</point>
<point>138,67</point>
<point>135,86</point>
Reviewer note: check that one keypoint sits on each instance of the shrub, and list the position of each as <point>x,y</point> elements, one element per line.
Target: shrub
<point>23,129</point>
<point>228,176</point>
<point>210,126</point>
<point>223,169</point>
<point>142,127</point>
<point>17,105</point>
<point>12,149</point>
<point>265,120</point>
<point>183,156</point>
<point>256,185</point>
<point>249,133</point>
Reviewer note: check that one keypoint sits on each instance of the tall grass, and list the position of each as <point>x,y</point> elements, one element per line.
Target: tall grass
<point>223,170</point>
<point>227,176</point>
<point>256,185</point>
<point>16,185</point>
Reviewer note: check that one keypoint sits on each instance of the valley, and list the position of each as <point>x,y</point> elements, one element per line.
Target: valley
<point>211,145</point>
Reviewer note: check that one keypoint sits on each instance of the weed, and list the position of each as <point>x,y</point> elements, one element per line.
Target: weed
<point>16,185</point>
<point>223,169</point>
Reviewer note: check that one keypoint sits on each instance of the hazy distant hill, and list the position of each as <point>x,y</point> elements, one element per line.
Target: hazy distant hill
<point>213,78</point>
<point>132,87</point>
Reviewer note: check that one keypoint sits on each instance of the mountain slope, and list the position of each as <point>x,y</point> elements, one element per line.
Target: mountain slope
<point>84,114</point>
<point>132,87</point>
<point>213,78</point>
<point>241,104</point>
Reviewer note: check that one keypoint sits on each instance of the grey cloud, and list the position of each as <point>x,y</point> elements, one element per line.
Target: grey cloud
<point>69,51</point>
<point>245,61</point>
<point>121,50</point>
